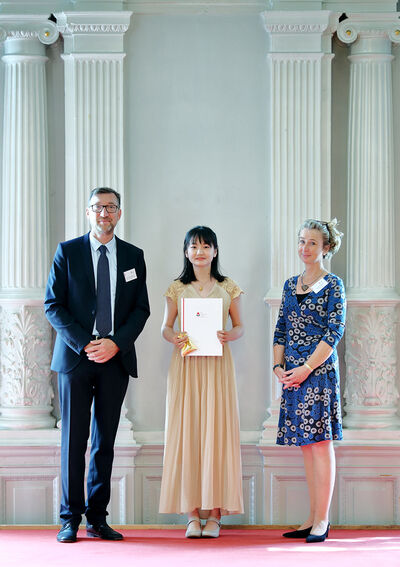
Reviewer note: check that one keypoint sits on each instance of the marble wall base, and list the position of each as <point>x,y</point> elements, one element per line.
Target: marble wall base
<point>367,482</point>
<point>275,492</point>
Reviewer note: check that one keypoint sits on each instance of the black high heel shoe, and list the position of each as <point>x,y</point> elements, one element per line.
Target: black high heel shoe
<point>317,538</point>
<point>298,534</point>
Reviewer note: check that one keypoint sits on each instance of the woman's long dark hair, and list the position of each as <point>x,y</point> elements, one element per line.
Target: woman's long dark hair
<point>206,236</point>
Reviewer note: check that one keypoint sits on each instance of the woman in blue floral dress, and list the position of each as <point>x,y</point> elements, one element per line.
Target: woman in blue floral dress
<point>310,324</point>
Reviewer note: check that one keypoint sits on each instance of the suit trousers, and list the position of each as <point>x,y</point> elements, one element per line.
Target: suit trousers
<point>104,385</point>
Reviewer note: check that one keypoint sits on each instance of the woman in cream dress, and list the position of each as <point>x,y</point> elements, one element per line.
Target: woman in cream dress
<point>202,465</point>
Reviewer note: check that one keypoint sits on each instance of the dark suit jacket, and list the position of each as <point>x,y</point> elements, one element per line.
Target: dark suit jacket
<point>70,302</point>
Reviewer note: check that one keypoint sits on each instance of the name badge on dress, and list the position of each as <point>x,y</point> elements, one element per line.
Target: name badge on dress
<point>319,285</point>
<point>130,275</point>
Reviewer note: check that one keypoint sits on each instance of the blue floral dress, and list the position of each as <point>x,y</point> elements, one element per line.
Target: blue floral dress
<point>312,412</point>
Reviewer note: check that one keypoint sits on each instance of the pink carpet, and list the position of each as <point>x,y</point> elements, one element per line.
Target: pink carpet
<point>167,548</point>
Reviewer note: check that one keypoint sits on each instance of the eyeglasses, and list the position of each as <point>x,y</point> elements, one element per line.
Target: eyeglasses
<point>108,208</point>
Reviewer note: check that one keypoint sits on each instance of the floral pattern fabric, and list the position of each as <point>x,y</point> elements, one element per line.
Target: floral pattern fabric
<point>311,413</point>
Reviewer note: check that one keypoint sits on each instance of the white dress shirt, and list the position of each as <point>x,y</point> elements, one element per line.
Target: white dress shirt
<point>112,262</point>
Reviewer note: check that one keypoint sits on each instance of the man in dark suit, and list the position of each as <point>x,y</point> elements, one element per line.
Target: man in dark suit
<point>96,300</point>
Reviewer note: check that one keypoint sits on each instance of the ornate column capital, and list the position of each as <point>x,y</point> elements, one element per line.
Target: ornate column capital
<point>93,32</point>
<point>93,56</point>
<point>301,32</point>
<point>370,33</point>
<point>23,33</point>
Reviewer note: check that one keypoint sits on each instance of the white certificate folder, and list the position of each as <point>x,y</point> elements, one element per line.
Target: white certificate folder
<point>201,318</point>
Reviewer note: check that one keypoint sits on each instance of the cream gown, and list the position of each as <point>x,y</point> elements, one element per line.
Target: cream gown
<point>202,464</point>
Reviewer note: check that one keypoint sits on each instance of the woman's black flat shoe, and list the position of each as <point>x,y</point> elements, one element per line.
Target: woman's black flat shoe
<point>317,538</point>
<point>298,534</point>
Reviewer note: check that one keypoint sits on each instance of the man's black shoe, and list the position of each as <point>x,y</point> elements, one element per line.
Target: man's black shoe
<point>68,532</point>
<point>103,531</point>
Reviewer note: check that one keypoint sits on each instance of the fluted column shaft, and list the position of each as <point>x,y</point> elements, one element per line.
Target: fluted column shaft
<point>299,170</point>
<point>371,391</point>
<point>94,125</point>
<point>371,194</point>
<point>94,118</point>
<point>25,340</point>
<point>300,117</point>
<point>24,258</point>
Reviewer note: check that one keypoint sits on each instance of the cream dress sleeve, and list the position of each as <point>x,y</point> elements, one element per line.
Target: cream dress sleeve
<point>231,287</point>
<point>174,290</point>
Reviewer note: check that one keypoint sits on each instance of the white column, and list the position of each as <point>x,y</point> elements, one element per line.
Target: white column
<point>25,343</point>
<point>300,116</point>
<point>371,391</point>
<point>94,124</point>
<point>94,119</point>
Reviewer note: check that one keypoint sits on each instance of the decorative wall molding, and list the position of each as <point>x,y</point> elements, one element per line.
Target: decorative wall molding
<point>370,26</point>
<point>25,355</point>
<point>204,7</point>
<point>125,431</point>
<point>275,489</point>
<point>297,57</point>
<point>93,32</point>
<point>296,28</point>
<point>375,369</point>
<point>40,488</point>
<point>371,391</point>
<point>94,57</point>
<point>198,7</point>
<point>93,28</point>
<point>368,498</point>
<point>301,31</point>
<point>28,27</point>
<point>368,479</point>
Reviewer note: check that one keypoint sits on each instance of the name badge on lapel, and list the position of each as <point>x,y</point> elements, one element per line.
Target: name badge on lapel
<point>319,285</point>
<point>130,275</point>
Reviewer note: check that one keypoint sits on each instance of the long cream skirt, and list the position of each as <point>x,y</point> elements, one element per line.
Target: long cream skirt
<point>202,464</point>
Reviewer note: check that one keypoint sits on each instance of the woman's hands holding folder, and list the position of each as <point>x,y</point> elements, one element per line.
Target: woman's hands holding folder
<point>180,339</point>
<point>223,336</point>
<point>237,329</point>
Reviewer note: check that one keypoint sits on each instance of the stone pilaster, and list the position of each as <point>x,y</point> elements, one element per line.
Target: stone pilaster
<point>300,116</point>
<point>94,118</point>
<point>94,125</point>
<point>371,391</point>
<point>25,337</point>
